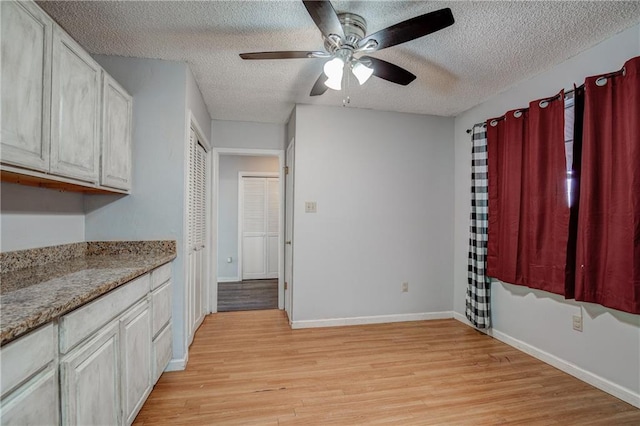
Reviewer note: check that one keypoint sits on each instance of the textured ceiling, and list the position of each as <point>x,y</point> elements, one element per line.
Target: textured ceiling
<point>491,46</point>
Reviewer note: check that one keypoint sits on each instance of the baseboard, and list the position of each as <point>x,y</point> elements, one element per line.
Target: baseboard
<point>377,319</point>
<point>229,279</point>
<point>177,364</point>
<point>586,376</point>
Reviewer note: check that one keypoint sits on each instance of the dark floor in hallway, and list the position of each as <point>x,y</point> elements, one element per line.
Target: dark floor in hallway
<point>248,295</point>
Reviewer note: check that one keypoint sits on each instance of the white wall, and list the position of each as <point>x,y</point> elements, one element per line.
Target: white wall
<point>383,183</point>
<point>37,217</point>
<point>609,346</point>
<point>247,135</point>
<point>230,166</point>
<point>155,208</point>
<point>195,103</point>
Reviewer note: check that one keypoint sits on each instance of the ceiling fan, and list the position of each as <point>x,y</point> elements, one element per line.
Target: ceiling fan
<point>348,46</point>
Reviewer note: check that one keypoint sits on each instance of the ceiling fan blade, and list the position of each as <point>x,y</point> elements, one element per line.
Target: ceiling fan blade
<point>325,17</point>
<point>319,87</point>
<point>390,72</point>
<point>411,29</point>
<point>285,54</point>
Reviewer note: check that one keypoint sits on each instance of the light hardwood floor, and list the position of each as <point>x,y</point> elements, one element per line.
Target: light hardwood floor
<point>249,368</point>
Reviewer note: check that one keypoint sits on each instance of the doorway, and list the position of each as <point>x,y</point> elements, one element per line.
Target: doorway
<point>250,230</point>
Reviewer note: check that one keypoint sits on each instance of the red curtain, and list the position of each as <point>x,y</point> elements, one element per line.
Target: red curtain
<point>546,214</point>
<point>528,208</point>
<point>608,240</point>
<point>505,141</point>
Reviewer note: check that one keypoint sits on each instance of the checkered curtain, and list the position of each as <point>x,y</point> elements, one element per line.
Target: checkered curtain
<point>478,307</point>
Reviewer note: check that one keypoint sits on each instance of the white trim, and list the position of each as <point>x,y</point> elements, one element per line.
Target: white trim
<point>601,383</point>
<point>465,321</point>
<point>251,152</point>
<point>289,161</point>
<point>177,364</point>
<point>203,140</point>
<point>210,251</point>
<point>260,153</point>
<point>258,174</point>
<point>377,319</point>
<point>229,279</point>
<point>213,233</point>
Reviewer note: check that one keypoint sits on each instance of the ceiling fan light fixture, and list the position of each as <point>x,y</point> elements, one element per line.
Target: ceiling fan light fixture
<point>334,83</point>
<point>334,70</point>
<point>362,72</point>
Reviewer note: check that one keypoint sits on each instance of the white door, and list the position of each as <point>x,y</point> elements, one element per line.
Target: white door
<point>260,200</point>
<point>135,360</point>
<point>117,105</point>
<point>288,233</point>
<point>25,40</point>
<point>90,382</point>
<point>197,232</point>
<point>75,110</point>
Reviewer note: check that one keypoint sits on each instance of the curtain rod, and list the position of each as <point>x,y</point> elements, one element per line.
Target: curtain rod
<point>566,93</point>
<point>621,71</point>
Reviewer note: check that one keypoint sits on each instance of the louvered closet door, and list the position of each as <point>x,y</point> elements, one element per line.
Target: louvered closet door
<point>197,231</point>
<point>260,228</point>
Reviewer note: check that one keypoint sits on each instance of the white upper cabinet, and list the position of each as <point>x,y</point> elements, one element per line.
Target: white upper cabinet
<point>75,110</point>
<point>65,122</point>
<point>116,135</point>
<point>26,34</point>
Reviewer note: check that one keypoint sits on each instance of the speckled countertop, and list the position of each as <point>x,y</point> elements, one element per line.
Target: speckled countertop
<point>37,286</point>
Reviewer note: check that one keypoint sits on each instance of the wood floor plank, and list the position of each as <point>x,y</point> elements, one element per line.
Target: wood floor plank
<point>250,368</point>
<point>248,295</point>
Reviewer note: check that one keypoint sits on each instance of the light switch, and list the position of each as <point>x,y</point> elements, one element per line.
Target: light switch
<point>310,207</point>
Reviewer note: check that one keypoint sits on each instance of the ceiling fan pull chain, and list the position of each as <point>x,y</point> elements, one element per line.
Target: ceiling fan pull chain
<point>346,100</point>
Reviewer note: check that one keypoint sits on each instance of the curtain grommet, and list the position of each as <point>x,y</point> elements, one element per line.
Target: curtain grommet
<point>517,114</point>
<point>544,103</point>
<point>493,123</point>
<point>601,81</point>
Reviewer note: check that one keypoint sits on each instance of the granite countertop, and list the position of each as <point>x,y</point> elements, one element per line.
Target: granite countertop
<point>40,285</point>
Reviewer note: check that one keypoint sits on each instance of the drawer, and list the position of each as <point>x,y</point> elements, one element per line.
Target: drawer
<point>161,352</point>
<point>160,275</point>
<point>33,404</point>
<point>81,323</point>
<point>160,307</point>
<point>25,356</point>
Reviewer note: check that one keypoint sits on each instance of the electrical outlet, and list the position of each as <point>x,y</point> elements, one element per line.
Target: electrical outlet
<point>310,207</point>
<point>405,287</point>
<point>577,323</point>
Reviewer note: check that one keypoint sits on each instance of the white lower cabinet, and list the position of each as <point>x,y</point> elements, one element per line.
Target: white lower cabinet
<point>135,347</point>
<point>90,381</point>
<point>95,365</point>
<point>106,380</point>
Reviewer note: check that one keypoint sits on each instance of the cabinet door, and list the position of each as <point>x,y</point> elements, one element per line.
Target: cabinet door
<point>34,403</point>
<point>161,352</point>
<point>75,110</point>
<point>135,335</point>
<point>116,135</point>
<point>90,382</point>
<point>161,307</point>
<point>26,89</point>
